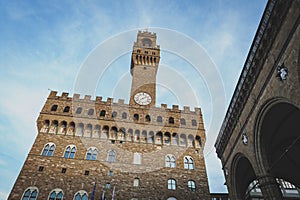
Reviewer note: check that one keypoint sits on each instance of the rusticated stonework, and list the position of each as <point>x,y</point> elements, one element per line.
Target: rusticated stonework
<point>133,151</point>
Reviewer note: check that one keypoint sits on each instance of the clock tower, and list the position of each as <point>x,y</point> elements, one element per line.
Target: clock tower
<point>144,64</point>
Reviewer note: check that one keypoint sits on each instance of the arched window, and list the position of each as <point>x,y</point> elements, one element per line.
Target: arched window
<point>191,185</point>
<point>81,195</point>
<point>194,122</point>
<point>54,107</point>
<point>91,111</point>
<point>172,184</point>
<point>174,139</point>
<point>136,117</point>
<point>111,156</point>
<point>48,149</point>
<point>102,113</point>
<point>171,120</point>
<point>148,118</point>
<point>170,161</point>
<point>150,137</point>
<point>79,110</point>
<point>67,109</point>
<point>92,153</point>
<point>70,151</point>
<point>182,121</point>
<point>136,182</point>
<point>167,138</point>
<point>159,119</point>
<point>114,114</point>
<point>188,162</point>
<point>105,132</point>
<point>56,194</point>
<point>30,193</point>
<point>45,127</point>
<point>124,115</point>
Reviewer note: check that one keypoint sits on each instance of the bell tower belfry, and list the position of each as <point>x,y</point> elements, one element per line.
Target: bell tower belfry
<point>144,64</point>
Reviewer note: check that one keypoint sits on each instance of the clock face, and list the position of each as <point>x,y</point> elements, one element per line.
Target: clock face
<point>142,98</point>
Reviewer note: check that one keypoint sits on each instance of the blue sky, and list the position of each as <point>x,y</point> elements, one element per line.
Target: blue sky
<point>44,44</point>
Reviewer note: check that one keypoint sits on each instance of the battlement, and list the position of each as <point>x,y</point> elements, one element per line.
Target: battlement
<point>146,33</point>
<point>120,102</point>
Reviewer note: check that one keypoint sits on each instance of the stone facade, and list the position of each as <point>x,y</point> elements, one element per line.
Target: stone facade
<point>258,140</point>
<point>133,144</point>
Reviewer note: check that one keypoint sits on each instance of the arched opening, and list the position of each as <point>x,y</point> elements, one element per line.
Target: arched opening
<point>137,136</point>
<point>158,138</point>
<point>167,138</point>
<point>147,118</point>
<point>171,120</point>
<point>144,136</point>
<point>121,134</point>
<point>45,126</point>
<point>96,131</point>
<point>113,133</point>
<point>242,174</point>
<point>174,139</point>
<point>79,131</point>
<point>66,109</point>
<point>151,137</point>
<point>53,127</point>
<point>129,135</point>
<point>62,128</point>
<point>278,141</point>
<point>88,130</point>
<point>198,141</point>
<point>71,128</point>
<point>105,132</point>
<point>190,141</point>
<point>102,113</point>
<point>182,140</point>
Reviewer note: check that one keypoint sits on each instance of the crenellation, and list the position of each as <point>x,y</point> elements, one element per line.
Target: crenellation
<point>143,140</point>
<point>164,106</point>
<point>121,101</point>
<point>64,95</point>
<point>76,96</point>
<point>186,109</point>
<point>87,97</point>
<point>52,94</point>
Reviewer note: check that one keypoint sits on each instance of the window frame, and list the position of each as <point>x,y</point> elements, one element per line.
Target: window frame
<point>31,190</point>
<point>171,184</point>
<point>71,152</point>
<point>48,149</point>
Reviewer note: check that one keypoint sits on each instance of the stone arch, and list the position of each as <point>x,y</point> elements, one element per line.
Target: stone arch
<point>105,132</point>
<point>137,136</point>
<point>182,140</point>
<point>79,129</point>
<point>174,139</point>
<point>241,175</point>
<point>277,140</point>
<point>190,140</point>
<point>144,136</point>
<point>198,141</point>
<point>158,138</point>
<point>121,134</point>
<point>53,128</point>
<point>45,126</point>
<point>71,128</point>
<point>113,133</point>
<point>62,128</point>
<point>150,138</point>
<point>167,138</point>
<point>129,135</point>
<point>88,130</point>
<point>96,131</point>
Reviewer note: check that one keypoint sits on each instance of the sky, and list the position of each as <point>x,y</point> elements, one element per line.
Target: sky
<point>54,45</point>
